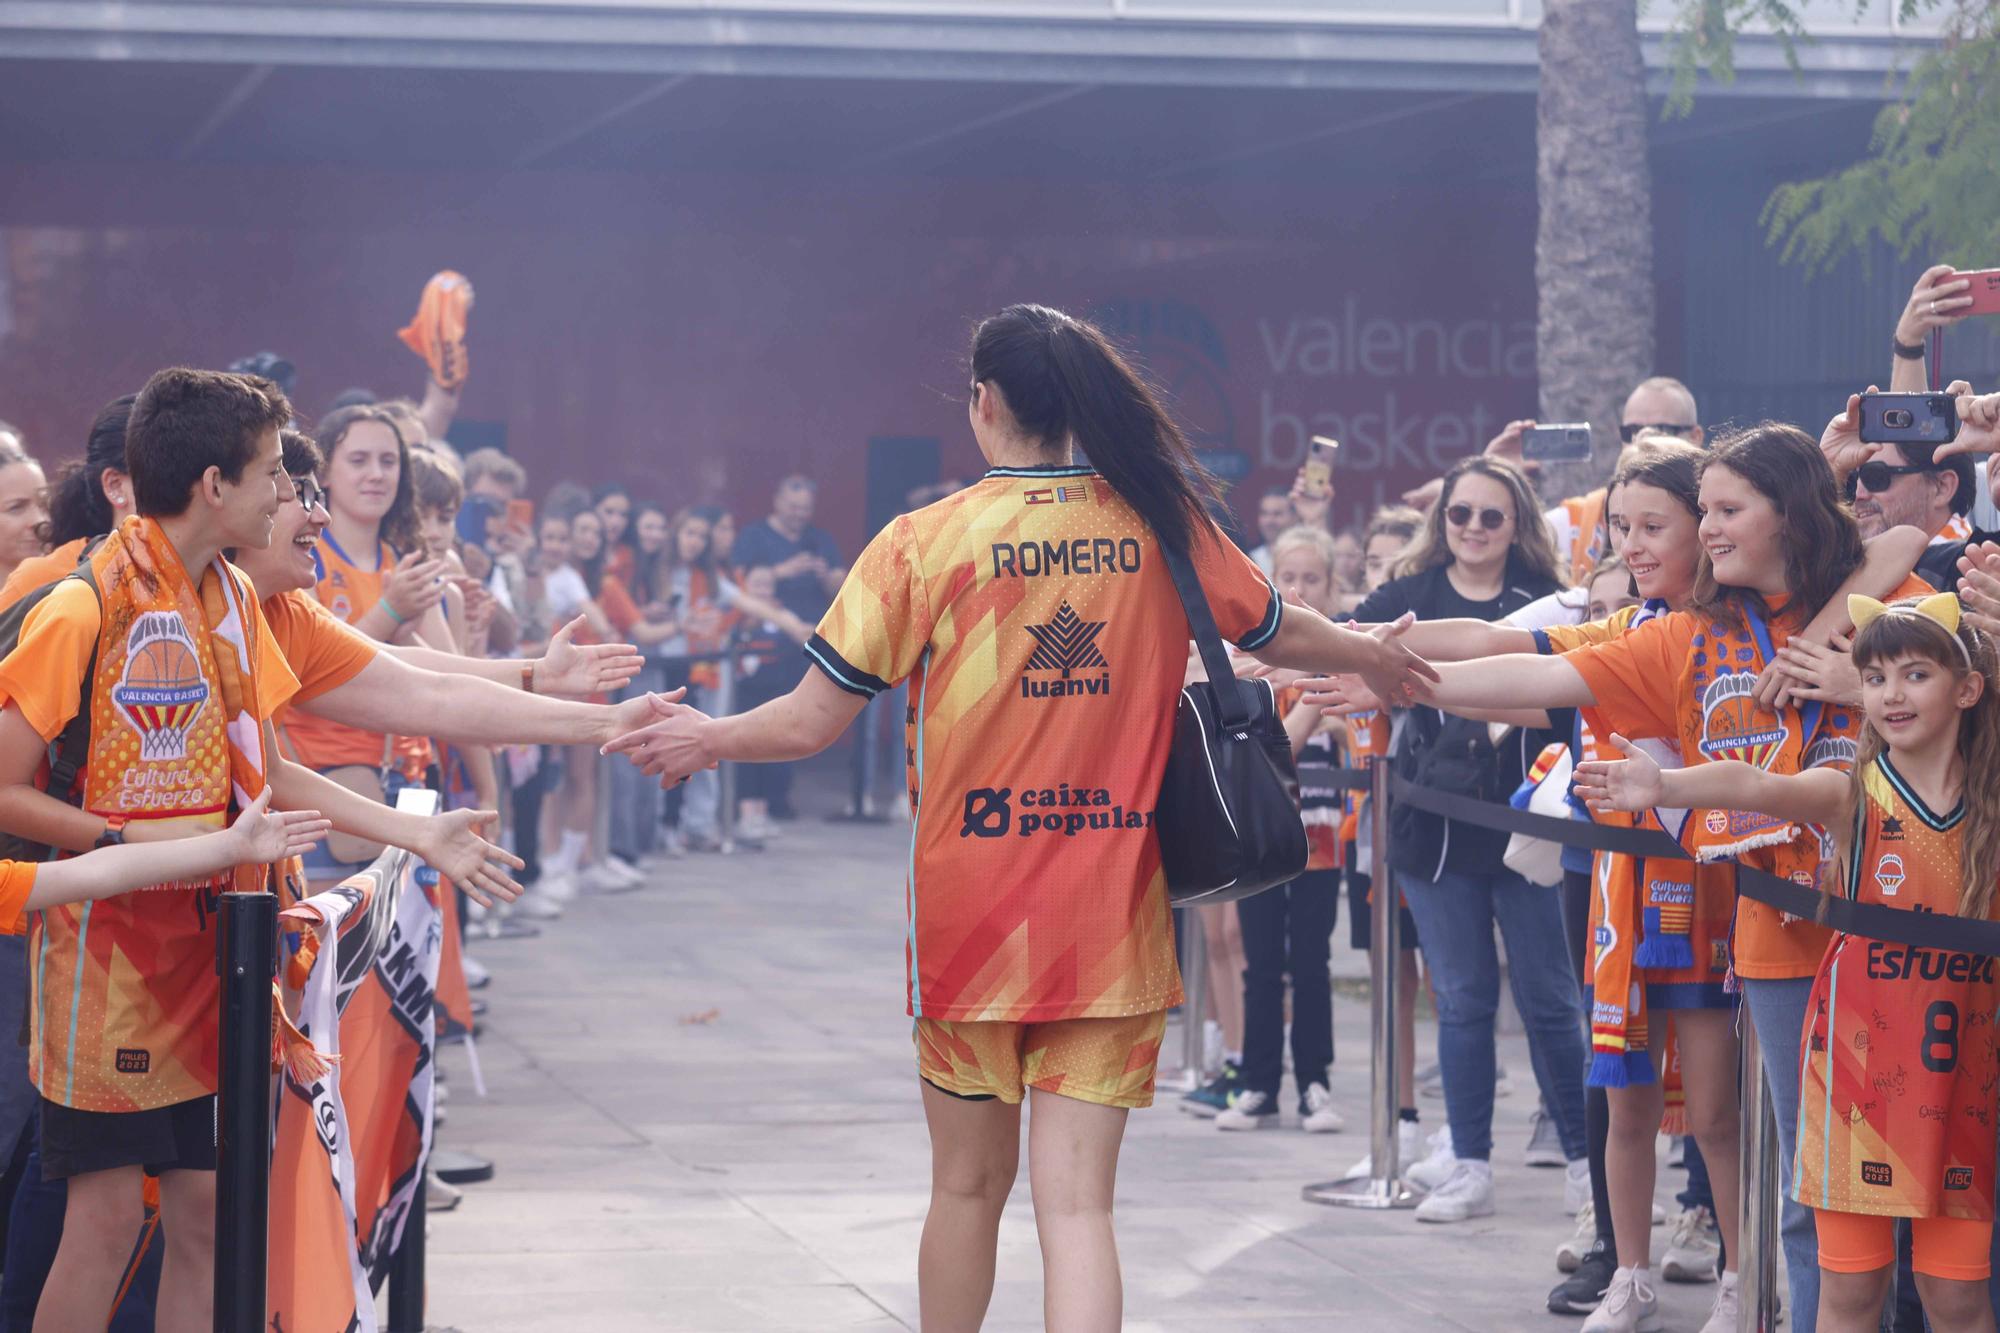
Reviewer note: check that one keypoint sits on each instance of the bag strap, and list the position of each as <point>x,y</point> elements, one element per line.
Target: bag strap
<point>1229,697</point>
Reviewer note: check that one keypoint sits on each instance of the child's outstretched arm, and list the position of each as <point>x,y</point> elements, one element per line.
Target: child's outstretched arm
<point>1636,782</point>
<point>259,836</point>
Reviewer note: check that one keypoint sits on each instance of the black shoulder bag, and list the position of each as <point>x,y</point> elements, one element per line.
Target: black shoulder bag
<point>1228,818</point>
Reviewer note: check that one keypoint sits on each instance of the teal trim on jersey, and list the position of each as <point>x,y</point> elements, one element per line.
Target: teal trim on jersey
<point>916,822</point>
<point>1916,802</point>
<point>1826,1077</point>
<point>75,997</point>
<point>1045,470</point>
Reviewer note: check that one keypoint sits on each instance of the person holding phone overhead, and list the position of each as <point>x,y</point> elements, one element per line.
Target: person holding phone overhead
<point>1038,626</point>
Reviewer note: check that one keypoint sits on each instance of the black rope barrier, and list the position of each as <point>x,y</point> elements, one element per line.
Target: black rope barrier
<point>1876,921</point>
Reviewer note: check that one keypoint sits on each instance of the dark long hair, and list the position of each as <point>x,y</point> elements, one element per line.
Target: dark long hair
<point>1064,381</point>
<point>78,506</point>
<point>649,569</point>
<point>399,524</point>
<point>1821,541</point>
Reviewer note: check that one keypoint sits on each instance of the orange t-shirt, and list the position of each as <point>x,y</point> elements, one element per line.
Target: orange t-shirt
<point>38,571</point>
<point>17,881</point>
<point>347,590</point>
<point>1643,682</point>
<point>1044,646</point>
<point>125,988</point>
<point>323,652</point>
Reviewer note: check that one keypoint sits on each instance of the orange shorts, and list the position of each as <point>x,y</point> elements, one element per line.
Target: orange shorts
<point>1110,1061</point>
<point>1946,1247</point>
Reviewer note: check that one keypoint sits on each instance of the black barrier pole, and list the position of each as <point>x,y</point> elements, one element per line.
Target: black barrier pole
<point>247,958</point>
<point>406,1269</point>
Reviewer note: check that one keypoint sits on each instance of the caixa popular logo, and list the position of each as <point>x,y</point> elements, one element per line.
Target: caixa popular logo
<point>1065,811</point>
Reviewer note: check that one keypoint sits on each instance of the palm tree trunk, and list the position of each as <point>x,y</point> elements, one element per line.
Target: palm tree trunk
<point>1594,236</point>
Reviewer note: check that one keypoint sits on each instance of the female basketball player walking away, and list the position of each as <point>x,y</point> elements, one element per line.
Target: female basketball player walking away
<point>1037,623</point>
<point>1900,1057</point>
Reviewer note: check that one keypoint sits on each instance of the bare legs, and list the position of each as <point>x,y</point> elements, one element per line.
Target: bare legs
<point>1072,1170</point>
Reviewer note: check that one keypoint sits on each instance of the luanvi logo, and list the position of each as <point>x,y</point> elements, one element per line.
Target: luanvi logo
<point>1066,645</point>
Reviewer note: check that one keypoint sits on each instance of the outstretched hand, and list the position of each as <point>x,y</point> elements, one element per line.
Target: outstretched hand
<point>1631,783</point>
<point>453,847</point>
<point>1396,676</point>
<point>575,669</point>
<point>264,835</point>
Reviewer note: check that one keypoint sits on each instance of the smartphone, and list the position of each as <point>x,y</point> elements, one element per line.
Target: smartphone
<point>1563,443</point>
<point>1908,418</point>
<point>1318,470</point>
<point>521,514</point>
<point>1984,291</point>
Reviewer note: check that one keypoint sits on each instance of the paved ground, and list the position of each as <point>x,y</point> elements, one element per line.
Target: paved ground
<point>702,1104</point>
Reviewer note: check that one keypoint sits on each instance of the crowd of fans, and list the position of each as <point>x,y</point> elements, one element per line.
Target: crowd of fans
<point>1711,643</point>
<point>1628,975</point>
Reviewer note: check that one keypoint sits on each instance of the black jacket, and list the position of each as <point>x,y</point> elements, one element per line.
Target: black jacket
<point>1435,749</point>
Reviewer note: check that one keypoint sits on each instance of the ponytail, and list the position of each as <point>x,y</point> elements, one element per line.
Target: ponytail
<point>1063,380</point>
<point>78,507</point>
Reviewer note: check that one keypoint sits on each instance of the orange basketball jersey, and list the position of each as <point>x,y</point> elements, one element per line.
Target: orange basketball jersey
<point>1896,1100</point>
<point>1044,646</point>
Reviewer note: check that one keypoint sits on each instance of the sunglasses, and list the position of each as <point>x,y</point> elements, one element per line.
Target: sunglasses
<point>1632,430</point>
<point>311,494</point>
<point>1878,477</point>
<point>1460,515</point>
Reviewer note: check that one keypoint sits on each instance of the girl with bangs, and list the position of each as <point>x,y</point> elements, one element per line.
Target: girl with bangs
<point>1881,1135</point>
<point>1775,546</point>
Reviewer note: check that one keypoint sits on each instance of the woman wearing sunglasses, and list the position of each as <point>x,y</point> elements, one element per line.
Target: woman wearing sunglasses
<point>1484,551</point>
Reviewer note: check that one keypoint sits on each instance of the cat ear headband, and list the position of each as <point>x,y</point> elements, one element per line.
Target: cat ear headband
<point>1941,609</point>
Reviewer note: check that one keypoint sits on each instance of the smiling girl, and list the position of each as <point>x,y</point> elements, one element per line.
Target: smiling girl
<point>1882,1135</point>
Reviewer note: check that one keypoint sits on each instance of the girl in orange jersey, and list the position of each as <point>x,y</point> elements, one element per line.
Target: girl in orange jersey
<point>1034,615</point>
<point>366,580</point>
<point>1896,1116</point>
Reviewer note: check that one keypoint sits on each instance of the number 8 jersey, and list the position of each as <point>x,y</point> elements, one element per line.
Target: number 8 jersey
<point>1898,1073</point>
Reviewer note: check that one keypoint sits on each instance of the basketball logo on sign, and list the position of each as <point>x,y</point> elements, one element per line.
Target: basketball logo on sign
<point>161,691</point>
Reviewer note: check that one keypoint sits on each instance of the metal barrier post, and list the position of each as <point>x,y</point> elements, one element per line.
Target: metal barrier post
<point>246,958</point>
<point>1757,1231</point>
<point>1194,999</point>
<point>406,1269</point>
<point>725,772</point>
<point>1383,1186</point>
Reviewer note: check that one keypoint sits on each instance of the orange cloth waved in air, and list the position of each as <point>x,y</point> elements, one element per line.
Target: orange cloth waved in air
<point>437,332</point>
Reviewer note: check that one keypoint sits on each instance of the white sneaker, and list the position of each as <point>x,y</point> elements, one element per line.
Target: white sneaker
<point>1630,1305</point>
<point>1466,1193</point>
<point>1659,1216</point>
<point>619,869</point>
<point>476,975</point>
<point>1576,1186</point>
<point>1316,1111</point>
<point>1433,1170</point>
<point>1723,1317</point>
<point>558,888</point>
<point>1250,1110</point>
<point>534,905</point>
<point>1693,1247</point>
<point>1545,1147</point>
<point>1569,1254</point>
<point>1409,1148</point>
<point>603,878</point>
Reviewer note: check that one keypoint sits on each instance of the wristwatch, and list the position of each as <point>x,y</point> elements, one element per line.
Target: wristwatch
<point>114,833</point>
<point>1907,351</point>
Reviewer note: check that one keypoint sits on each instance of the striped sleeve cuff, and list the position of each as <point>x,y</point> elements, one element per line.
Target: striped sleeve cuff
<point>1267,628</point>
<point>838,670</point>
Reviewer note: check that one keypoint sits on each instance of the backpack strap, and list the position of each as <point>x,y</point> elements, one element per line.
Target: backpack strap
<point>70,750</point>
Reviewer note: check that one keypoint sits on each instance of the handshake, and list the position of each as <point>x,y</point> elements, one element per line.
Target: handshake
<point>663,736</point>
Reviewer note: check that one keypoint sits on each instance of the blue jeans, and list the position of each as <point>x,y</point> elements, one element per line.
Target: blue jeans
<point>1455,921</point>
<point>1778,1009</point>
